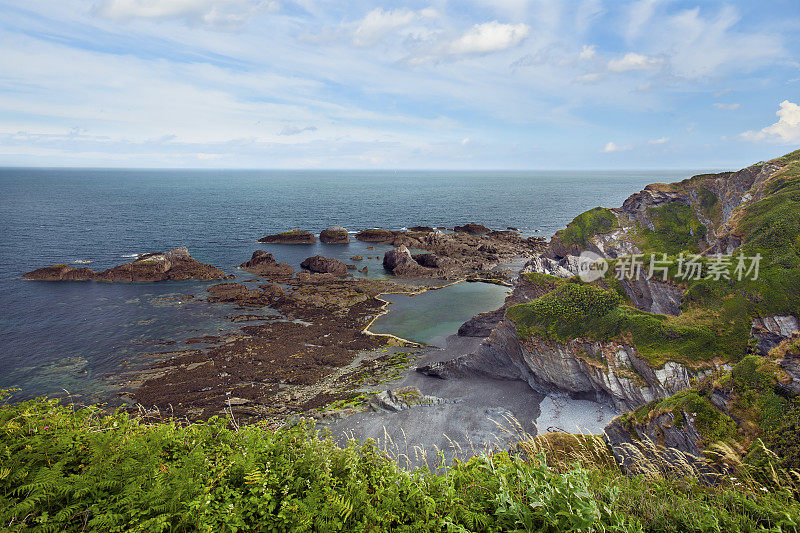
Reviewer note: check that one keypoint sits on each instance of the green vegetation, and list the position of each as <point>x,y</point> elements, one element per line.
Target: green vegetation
<point>578,310</point>
<point>73,470</point>
<point>588,224</point>
<point>677,229</point>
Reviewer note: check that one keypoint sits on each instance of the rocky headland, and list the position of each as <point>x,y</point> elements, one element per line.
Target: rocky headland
<point>176,264</point>
<point>688,360</point>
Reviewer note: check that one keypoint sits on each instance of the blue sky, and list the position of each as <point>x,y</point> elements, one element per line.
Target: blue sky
<point>509,84</point>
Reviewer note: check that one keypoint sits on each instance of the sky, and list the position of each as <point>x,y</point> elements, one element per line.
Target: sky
<point>507,84</point>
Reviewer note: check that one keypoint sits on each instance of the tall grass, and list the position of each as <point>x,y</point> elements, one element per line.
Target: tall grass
<point>79,469</point>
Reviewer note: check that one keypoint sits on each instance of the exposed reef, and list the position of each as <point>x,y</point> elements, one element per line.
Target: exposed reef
<point>295,236</point>
<point>176,264</point>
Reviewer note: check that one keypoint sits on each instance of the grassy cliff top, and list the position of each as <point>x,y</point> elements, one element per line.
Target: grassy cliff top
<point>66,469</point>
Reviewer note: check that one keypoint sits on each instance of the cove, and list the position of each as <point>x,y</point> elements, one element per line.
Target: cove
<point>432,316</point>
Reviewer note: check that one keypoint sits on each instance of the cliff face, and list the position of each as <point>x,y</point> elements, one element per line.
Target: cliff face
<point>584,368</point>
<point>658,350</point>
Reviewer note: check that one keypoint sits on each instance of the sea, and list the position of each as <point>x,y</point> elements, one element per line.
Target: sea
<point>74,338</point>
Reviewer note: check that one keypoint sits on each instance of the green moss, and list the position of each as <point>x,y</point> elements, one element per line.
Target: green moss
<point>588,224</point>
<point>545,281</point>
<point>676,229</point>
<point>574,310</point>
<point>712,424</point>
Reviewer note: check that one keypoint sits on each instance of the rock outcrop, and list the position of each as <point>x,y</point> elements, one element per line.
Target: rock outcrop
<point>295,236</point>
<point>176,264</point>
<point>472,228</point>
<point>263,264</point>
<point>770,331</point>
<point>325,265</point>
<point>583,368</point>
<point>334,235</point>
<point>379,235</point>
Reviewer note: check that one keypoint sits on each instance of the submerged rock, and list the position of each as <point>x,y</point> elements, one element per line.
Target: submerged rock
<point>295,236</point>
<point>334,235</point>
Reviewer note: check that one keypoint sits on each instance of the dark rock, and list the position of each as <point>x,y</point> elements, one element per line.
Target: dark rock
<point>363,270</point>
<point>427,260</point>
<point>357,258</point>
<point>335,235</point>
<point>229,292</point>
<point>481,325</point>
<point>473,229</point>
<point>425,229</point>
<point>376,235</point>
<point>176,264</point>
<point>263,264</point>
<point>60,273</point>
<point>273,290</point>
<point>325,265</point>
<point>295,236</point>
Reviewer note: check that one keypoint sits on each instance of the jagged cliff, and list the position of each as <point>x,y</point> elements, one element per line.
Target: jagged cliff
<point>639,342</point>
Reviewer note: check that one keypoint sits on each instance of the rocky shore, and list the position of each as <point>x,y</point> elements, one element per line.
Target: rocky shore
<point>314,351</point>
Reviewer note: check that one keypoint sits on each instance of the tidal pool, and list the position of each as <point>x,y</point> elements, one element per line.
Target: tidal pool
<point>434,315</point>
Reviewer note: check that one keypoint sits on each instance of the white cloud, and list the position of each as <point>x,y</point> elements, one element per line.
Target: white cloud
<point>592,77</point>
<point>214,13</point>
<point>633,61</point>
<point>639,15</point>
<point>610,147</point>
<point>587,52</point>
<point>377,24</point>
<point>489,37</point>
<point>700,46</point>
<point>786,130</point>
<point>662,140</point>
<point>727,107</point>
<point>295,130</point>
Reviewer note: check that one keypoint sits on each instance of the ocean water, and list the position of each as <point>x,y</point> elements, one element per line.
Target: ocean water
<point>57,337</point>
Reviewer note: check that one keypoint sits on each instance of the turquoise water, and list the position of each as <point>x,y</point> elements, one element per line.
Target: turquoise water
<point>56,336</point>
<point>434,315</point>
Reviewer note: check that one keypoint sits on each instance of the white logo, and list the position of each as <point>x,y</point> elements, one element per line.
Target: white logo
<point>591,266</point>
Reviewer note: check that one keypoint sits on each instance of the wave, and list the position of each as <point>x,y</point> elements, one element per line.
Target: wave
<point>130,255</point>
<point>82,261</point>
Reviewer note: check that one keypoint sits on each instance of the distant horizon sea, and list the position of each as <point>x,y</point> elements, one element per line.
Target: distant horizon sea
<point>59,337</point>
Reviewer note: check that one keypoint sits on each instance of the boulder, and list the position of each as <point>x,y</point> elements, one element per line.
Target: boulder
<point>397,257</point>
<point>401,263</point>
<point>473,229</point>
<point>263,264</point>
<point>325,265</point>
<point>334,235</point>
<point>376,235</point>
<point>357,258</point>
<point>295,236</point>
<point>424,229</point>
